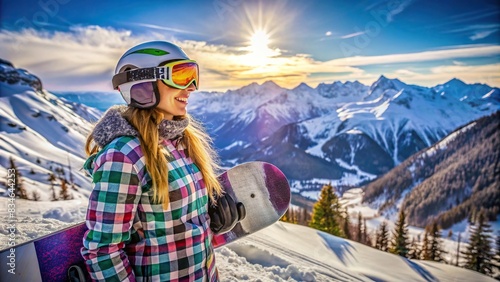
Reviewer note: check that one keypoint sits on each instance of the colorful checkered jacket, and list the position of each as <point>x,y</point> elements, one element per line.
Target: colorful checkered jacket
<point>132,239</point>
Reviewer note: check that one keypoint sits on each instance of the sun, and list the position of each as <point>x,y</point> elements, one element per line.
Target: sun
<point>258,49</point>
<point>259,41</point>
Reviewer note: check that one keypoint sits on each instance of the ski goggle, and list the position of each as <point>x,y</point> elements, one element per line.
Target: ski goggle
<point>138,86</point>
<point>177,74</point>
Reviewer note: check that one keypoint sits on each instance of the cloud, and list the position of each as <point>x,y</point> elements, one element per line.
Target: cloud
<point>482,34</point>
<point>457,52</point>
<point>487,74</point>
<point>458,63</point>
<point>84,59</point>
<point>390,8</point>
<point>352,35</point>
<point>399,8</point>
<point>478,31</point>
<point>152,26</point>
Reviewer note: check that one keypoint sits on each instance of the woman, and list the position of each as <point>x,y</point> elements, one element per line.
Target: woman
<point>155,193</point>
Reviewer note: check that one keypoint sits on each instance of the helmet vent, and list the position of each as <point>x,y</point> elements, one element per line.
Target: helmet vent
<point>151,51</point>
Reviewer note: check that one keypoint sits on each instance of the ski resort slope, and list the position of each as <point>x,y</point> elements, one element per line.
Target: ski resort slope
<point>281,252</point>
<point>288,252</point>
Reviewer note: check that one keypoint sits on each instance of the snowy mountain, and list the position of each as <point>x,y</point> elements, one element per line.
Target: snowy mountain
<point>343,133</point>
<point>98,100</point>
<point>281,252</point>
<point>43,135</point>
<point>447,181</point>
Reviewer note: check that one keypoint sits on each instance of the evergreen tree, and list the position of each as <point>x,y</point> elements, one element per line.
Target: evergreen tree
<point>458,249</point>
<point>400,244</point>
<point>414,251</point>
<point>52,178</point>
<point>65,195</point>
<point>478,254</point>
<point>359,229</point>
<point>382,237</point>
<point>496,258</point>
<point>35,196</point>
<point>326,214</point>
<point>18,182</point>
<point>304,218</point>
<point>347,226</point>
<point>425,253</point>
<point>435,247</point>
<point>365,239</point>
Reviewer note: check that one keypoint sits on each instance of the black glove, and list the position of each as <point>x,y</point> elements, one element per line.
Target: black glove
<point>225,215</point>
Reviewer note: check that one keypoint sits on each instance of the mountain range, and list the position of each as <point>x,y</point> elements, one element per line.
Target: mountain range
<point>342,133</point>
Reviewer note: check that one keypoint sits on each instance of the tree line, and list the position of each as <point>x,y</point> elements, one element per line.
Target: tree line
<point>55,177</point>
<point>481,254</point>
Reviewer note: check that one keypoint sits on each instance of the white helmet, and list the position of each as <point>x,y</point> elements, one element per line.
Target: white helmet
<point>145,57</point>
<point>149,54</point>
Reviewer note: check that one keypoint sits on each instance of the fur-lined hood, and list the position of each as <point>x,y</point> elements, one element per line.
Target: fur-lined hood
<point>113,125</point>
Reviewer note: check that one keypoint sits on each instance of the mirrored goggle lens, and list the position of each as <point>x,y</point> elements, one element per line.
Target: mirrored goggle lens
<point>143,94</point>
<point>183,74</point>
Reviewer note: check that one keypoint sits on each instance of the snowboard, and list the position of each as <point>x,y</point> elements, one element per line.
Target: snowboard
<point>261,187</point>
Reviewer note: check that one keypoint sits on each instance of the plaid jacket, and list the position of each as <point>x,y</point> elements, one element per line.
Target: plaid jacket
<point>132,239</point>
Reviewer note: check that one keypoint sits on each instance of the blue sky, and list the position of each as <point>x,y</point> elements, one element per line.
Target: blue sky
<point>73,45</point>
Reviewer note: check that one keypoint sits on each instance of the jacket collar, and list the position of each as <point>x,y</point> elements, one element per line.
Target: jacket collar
<point>113,125</point>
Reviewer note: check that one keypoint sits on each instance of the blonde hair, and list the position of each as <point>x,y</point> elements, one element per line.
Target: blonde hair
<point>195,140</point>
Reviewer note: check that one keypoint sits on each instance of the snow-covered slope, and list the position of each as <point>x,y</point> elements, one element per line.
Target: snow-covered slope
<point>281,252</point>
<point>43,135</point>
<point>98,100</point>
<point>288,252</point>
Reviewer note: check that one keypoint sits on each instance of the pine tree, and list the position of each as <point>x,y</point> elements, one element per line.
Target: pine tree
<point>18,182</point>
<point>35,196</point>
<point>435,247</point>
<point>326,214</point>
<point>293,216</point>
<point>458,249</point>
<point>347,226</point>
<point>478,255</point>
<point>400,244</point>
<point>65,195</point>
<point>425,253</point>
<point>382,239</point>
<point>52,178</point>
<point>304,220</point>
<point>414,251</point>
<point>496,258</point>
<point>366,239</point>
<point>359,229</point>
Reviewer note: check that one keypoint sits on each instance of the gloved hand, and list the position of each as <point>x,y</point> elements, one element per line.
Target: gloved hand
<point>225,215</point>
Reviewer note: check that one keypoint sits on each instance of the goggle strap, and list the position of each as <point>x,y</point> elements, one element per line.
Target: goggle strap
<point>140,74</point>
